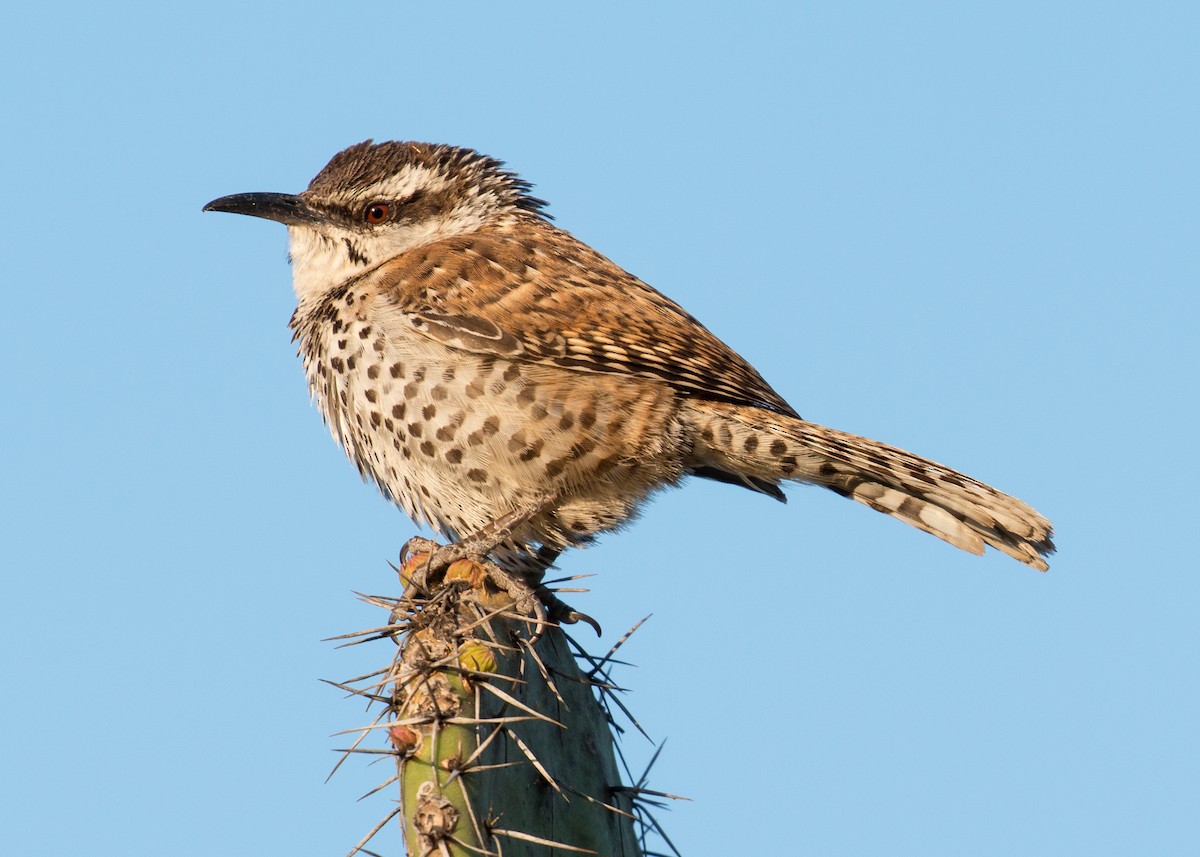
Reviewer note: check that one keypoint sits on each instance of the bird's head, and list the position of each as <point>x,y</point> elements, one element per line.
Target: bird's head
<point>374,201</point>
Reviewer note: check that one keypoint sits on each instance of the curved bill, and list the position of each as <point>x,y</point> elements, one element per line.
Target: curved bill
<point>281,207</point>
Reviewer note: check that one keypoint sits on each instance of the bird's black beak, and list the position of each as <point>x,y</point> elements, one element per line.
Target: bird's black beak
<point>285,208</point>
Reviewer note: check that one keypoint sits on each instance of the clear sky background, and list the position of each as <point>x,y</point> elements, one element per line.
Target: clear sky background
<point>967,229</point>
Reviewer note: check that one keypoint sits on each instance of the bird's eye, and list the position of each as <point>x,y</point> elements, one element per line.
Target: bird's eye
<point>377,212</point>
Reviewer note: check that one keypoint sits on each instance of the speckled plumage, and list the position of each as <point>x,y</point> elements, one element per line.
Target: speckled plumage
<point>479,363</point>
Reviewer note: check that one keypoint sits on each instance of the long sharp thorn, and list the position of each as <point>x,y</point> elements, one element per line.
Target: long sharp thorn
<point>359,847</point>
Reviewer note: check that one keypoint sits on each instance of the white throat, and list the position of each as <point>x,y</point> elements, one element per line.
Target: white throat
<point>319,262</point>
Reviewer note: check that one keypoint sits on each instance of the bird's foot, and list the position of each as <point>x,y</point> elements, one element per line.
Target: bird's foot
<point>425,561</point>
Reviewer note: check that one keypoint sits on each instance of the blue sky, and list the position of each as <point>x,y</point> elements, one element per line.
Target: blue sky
<point>966,229</point>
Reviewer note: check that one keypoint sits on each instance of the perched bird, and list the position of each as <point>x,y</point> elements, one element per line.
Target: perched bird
<point>505,383</point>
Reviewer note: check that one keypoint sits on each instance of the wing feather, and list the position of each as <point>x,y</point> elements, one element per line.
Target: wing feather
<point>537,294</point>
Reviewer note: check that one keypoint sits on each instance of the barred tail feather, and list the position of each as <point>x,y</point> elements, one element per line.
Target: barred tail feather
<point>762,446</point>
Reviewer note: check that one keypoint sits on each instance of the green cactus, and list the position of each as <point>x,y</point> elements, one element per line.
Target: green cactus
<point>503,744</point>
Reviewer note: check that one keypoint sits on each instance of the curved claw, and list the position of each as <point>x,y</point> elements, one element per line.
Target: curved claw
<point>573,616</point>
<point>417,544</point>
<point>564,613</point>
<point>415,575</point>
<point>539,622</point>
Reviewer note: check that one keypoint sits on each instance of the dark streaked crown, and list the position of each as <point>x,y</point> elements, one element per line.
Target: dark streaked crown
<point>368,163</point>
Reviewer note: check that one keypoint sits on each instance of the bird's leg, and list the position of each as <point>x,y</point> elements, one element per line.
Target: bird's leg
<point>475,547</point>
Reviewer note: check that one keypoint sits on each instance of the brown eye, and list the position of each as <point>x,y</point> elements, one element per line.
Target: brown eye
<point>377,212</point>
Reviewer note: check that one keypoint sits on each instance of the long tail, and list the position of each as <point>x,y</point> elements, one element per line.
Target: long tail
<point>759,448</point>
